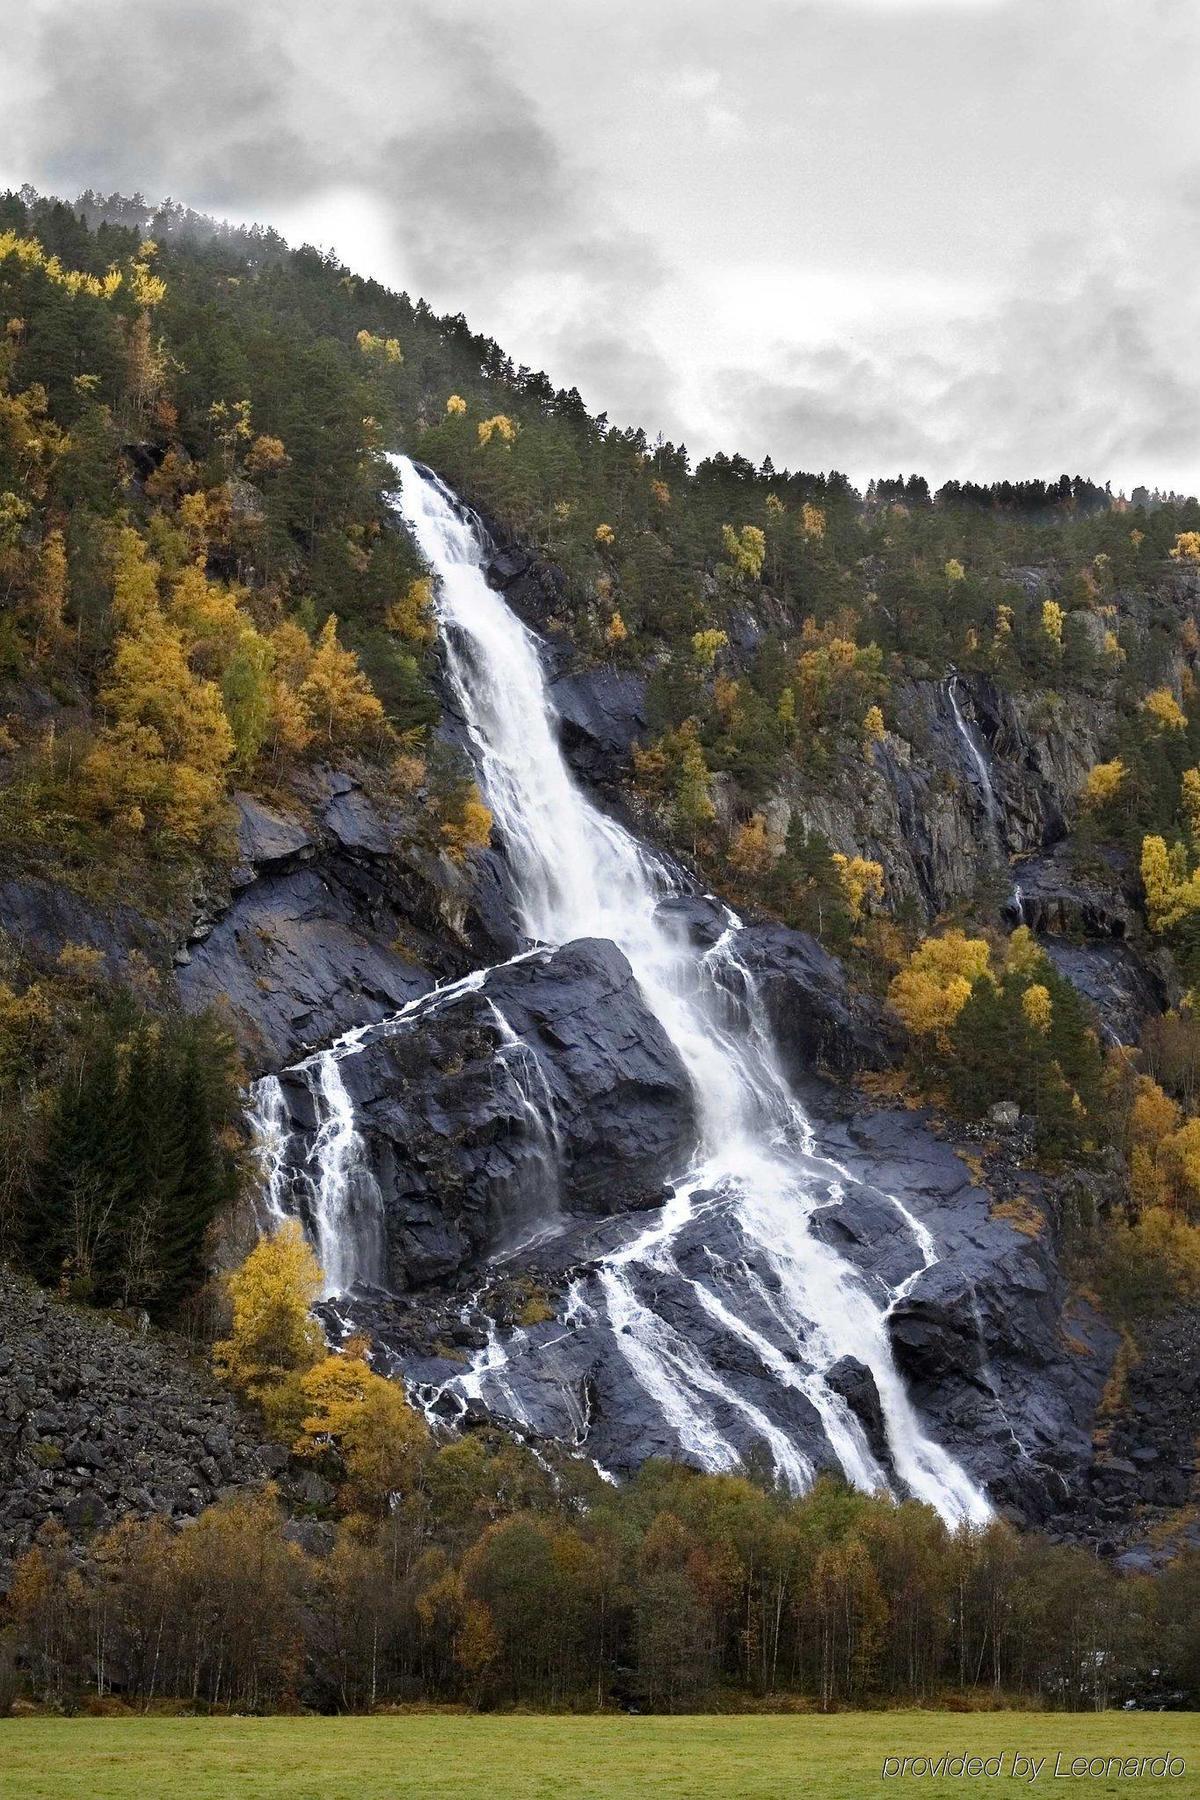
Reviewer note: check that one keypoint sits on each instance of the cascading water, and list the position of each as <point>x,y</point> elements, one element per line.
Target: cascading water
<point>795,1306</point>
<point>991,807</point>
<point>271,1126</point>
<point>345,1211</point>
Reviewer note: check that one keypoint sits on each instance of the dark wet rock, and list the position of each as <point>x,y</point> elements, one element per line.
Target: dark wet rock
<point>1005,1368</point>
<point>698,918</point>
<point>998,1373</point>
<point>856,1384</point>
<point>42,918</point>
<point>290,962</point>
<point>338,921</point>
<point>1063,896</point>
<point>817,1018</point>
<point>355,824</point>
<point>267,837</point>
<point>602,714</point>
<point>451,1105</point>
<point>1122,987</point>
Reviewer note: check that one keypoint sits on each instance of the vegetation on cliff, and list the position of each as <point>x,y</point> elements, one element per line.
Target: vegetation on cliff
<point>202,587</point>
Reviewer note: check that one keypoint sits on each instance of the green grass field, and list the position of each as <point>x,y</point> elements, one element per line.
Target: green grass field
<point>449,1757</point>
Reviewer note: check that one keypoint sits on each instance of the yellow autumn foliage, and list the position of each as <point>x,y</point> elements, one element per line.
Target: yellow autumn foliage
<point>931,990</point>
<point>366,1420</point>
<point>411,616</point>
<point>1102,784</point>
<point>1037,1007</point>
<point>751,852</point>
<point>468,827</point>
<point>1189,801</point>
<point>746,550</point>
<point>336,696</point>
<point>273,1335</point>
<point>706,644</point>
<point>860,880</point>
<point>379,349</point>
<point>30,254</point>
<point>1164,711</point>
<point>500,426</point>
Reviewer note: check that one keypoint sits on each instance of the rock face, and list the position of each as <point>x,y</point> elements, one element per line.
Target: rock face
<point>98,1422</point>
<point>550,1087</point>
<point>42,918</point>
<point>1148,1463</point>
<point>978,1334</point>
<point>815,1017</point>
<point>920,807</point>
<point>294,972</point>
<point>306,946</point>
<point>602,714</point>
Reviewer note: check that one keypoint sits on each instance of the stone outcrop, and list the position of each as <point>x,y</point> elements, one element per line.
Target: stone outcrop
<point>549,1086</point>
<point>41,918</point>
<point>306,945</point>
<point>818,1021</point>
<point>603,715</point>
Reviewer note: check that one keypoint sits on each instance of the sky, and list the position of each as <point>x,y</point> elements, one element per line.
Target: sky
<point>955,236</point>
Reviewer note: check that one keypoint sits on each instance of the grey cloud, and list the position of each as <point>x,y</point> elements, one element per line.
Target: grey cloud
<point>1076,378</point>
<point>176,98</point>
<point>938,232</point>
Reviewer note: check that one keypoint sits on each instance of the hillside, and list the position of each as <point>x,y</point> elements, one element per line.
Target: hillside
<point>354,681</point>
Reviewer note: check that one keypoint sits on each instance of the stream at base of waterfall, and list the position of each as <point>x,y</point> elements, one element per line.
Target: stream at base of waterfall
<point>723,1306</point>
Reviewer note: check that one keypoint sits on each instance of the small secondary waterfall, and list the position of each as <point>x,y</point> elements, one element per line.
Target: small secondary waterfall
<point>577,873</point>
<point>991,806</point>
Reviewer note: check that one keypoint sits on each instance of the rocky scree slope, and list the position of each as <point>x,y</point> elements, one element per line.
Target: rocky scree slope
<point>101,1420</point>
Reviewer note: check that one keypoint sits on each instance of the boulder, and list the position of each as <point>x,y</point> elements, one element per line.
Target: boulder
<point>856,1385</point>
<point>98,1422</point>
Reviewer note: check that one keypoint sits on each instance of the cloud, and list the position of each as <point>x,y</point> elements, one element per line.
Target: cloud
<point>943,232</point>
<point>1079,366</point>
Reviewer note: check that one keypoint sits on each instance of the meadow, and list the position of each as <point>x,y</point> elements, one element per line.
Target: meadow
<point>447,1756</point>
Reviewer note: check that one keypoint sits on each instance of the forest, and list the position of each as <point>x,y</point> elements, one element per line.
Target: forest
<point>486,1570</point>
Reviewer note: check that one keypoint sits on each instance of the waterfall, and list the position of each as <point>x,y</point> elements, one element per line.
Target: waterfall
<point>271,1128</point>
<point>796,1305</point>
<point>991,806</point>
<point>979,763</point>
<point>345,1212</point>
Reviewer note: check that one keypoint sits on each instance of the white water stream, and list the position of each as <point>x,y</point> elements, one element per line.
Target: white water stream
<point>991,807</point>
<point>577,873</point>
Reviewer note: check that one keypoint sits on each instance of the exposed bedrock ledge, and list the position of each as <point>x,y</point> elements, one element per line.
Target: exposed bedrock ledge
<point>42,918</point>
<point>453,1105</point>
<point>336,921</point>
